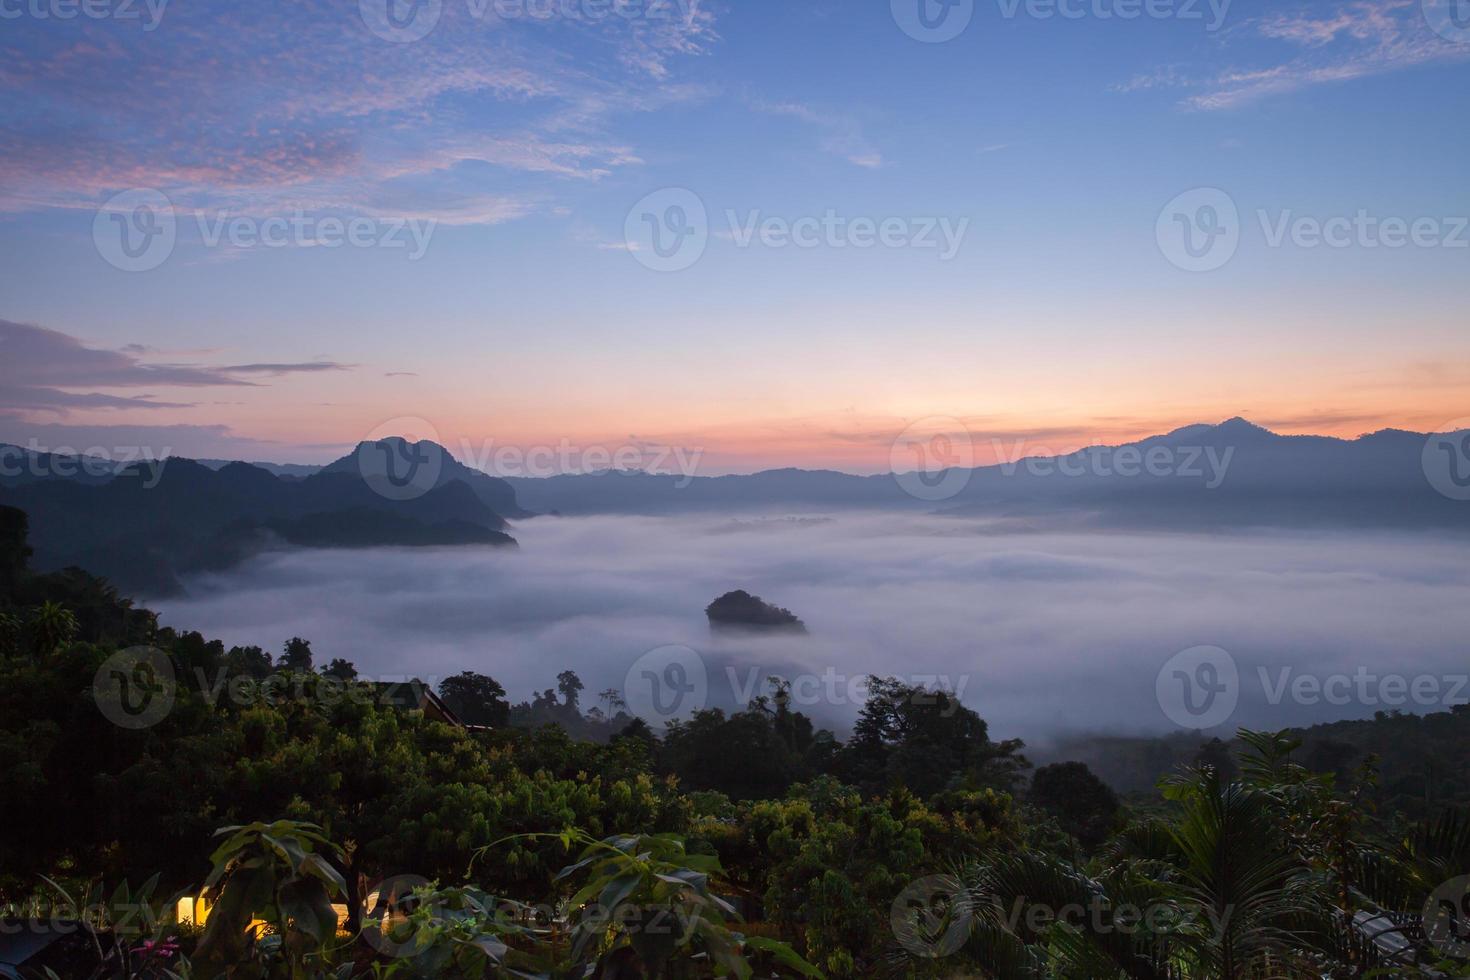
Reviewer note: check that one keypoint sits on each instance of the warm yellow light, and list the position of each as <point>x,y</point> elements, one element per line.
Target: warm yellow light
<point>191,911</point>
<point>196,911</point>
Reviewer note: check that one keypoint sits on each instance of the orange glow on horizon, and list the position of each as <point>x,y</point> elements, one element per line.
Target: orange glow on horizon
<point>765,412</point>
<point>839,442</point>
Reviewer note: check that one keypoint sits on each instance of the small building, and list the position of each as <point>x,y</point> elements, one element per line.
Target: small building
<point>415,695</point>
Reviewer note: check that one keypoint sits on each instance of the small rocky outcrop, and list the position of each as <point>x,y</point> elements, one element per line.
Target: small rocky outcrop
<point>739,610</point>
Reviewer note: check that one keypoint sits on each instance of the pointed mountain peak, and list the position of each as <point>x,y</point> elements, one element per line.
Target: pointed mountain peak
<point>1236,428</point>
<point>394,442</point>
<point>1240,425</point>
<point>371,451</point>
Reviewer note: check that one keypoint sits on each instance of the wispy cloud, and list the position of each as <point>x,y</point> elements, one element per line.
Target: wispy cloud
<point>1168,76</point>
<point>297,106</point>
<point>305,367</point>
<point>1343,43</point>
<point>47,371</point>
<point>651,43</point>
<point>841,133</point>
<point>154,441</point>
<point>16,399</point>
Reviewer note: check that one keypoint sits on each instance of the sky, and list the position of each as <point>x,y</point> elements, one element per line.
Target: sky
<point>775,233</point>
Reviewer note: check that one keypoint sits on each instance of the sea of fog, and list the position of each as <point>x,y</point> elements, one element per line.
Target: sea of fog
<point>1043,633</point>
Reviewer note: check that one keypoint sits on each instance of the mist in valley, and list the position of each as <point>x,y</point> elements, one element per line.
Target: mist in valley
<point>1044,634</point>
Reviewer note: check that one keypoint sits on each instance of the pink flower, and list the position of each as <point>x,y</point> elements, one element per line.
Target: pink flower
<point>163,950</point>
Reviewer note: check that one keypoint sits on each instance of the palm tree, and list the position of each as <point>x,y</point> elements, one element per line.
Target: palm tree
<point>1218,890</point>
<point>1236,865</point>
<point>52,627</point>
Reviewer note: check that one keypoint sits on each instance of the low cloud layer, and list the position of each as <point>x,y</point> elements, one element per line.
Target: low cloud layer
<point>1043,634</point>
<point>40,367</point>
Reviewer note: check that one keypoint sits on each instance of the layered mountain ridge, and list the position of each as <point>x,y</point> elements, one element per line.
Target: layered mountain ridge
<point>149,522</point>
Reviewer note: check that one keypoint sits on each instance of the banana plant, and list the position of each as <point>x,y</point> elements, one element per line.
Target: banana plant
<point>646,910</point>
<point>453,934</point>
<point>275,873</point>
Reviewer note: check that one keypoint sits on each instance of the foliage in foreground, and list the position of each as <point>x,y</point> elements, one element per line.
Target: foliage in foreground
<point>646,908</point>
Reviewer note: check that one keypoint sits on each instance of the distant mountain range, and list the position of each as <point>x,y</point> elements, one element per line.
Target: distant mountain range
<point>148,523</point>
<point>1234,474</point>
<point>295,471</point>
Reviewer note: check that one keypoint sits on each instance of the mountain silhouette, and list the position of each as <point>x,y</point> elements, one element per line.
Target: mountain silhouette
<point>149,524</point>
<point>1207,476</point>
<point>437,466</point>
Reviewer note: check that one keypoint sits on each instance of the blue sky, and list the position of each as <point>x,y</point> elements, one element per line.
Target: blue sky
<point>519,145</point>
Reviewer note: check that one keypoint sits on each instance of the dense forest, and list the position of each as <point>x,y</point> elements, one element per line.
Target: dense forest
<point>560,837</point>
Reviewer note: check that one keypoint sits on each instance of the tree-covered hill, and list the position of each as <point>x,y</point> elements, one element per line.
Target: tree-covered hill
<point>1423,760</point>
<point>152,522</point>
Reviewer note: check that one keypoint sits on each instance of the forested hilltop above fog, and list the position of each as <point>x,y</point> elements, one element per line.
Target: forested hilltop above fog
<point>740,611</point>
